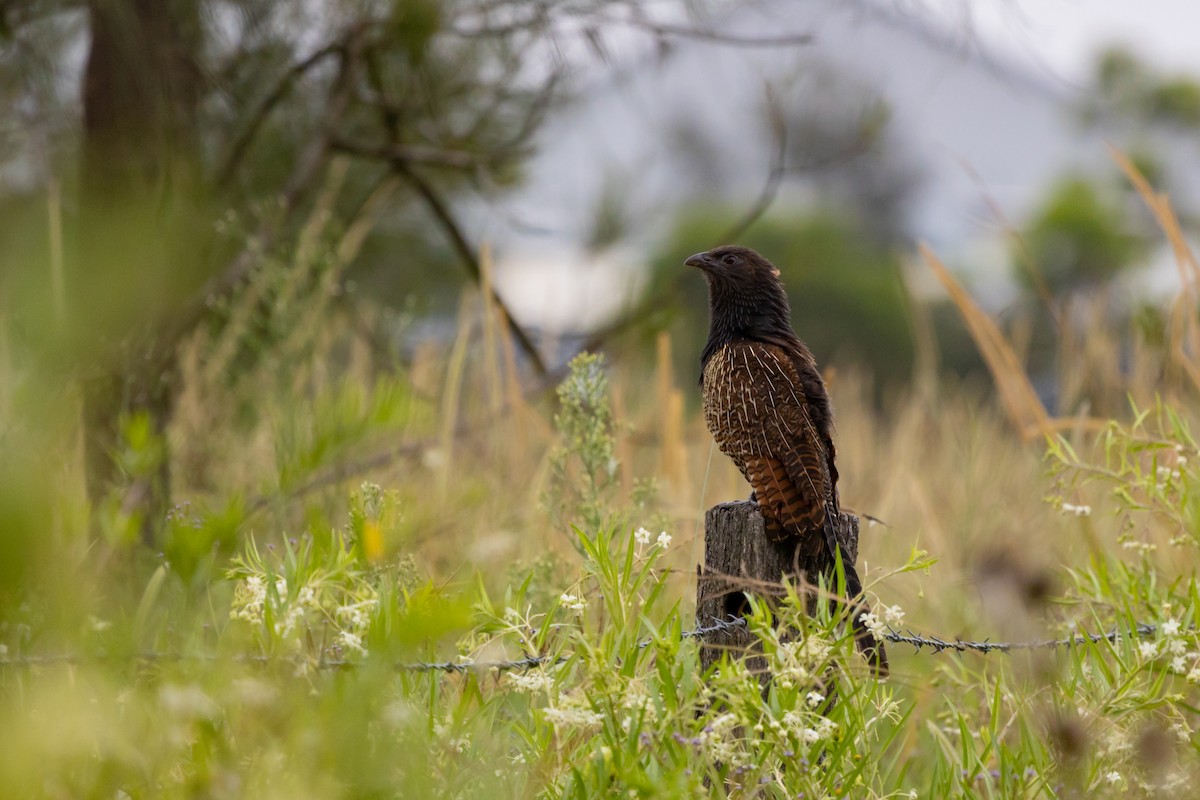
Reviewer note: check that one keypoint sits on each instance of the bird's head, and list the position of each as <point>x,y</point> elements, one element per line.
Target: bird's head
<point>746,297</point>
<point>734,265</point>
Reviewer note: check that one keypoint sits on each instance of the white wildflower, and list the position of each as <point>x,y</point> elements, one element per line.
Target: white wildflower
<point>1177,647</point>
<point>815,699</point>
<point>826,727</point>
<point>1170,627</point>
<point>1148,649</point>
<point>572,717</point>
<point>663,540</point>
<point>352,642</point>
<point>1166,474</point>
<point>1178,664</point>
<point>460,744</point>
<point>1182,732</point>
<point>894,615</point>
<point>531,681</point>
<point>573,602</point>
<point>872,623</point>
<point>717,741</point>
<point>641,536</point>
<point>249,597</point>
<point>512,616</point>
<point>291,619</point>
<point>1079,511</point>
<point>281,587</point>
<point>810,736</point>
<point>1193,675</point>
<point>357,616</point>
<point>1113,777</point>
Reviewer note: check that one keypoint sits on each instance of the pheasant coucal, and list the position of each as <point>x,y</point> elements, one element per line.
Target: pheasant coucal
<point>766,405</point>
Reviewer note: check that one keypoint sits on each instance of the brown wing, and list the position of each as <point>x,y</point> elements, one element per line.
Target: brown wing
<point>756,409</point>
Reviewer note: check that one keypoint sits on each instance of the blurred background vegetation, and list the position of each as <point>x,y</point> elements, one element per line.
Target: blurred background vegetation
<point>262,407</point>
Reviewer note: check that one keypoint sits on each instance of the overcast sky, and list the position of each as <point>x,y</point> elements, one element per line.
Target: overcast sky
<point>1061,37</point>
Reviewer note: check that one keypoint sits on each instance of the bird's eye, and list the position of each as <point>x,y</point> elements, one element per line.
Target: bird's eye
<point>730,260</point>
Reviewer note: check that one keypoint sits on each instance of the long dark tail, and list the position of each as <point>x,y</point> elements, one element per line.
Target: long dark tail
<point>873,651</point>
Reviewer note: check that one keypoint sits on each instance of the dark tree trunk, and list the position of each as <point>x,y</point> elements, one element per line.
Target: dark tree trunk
<point>137,253</point>
<point>739,559</point>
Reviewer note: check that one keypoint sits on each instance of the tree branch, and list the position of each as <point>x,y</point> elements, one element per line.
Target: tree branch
<point>414,154</point>
<point>441,210</point>
<point>468,254</point>
<point>241,143</point>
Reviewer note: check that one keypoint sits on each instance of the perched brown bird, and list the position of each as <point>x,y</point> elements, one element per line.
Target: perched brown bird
<point>767,408</point>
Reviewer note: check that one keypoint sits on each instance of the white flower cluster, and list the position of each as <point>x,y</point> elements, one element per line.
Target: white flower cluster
<point>873,624</point>
<point>306,599</point>
<point>291,614</point>
<point>356,616</point>
<point>573,602</point>
<point>352,642</point>
<point>249,597</point>
<point>572,711</point>
<point>637,704</point>
<point>572,717</point>
<point>808,728</point>
<point>1175,645</point>
<point>894,615</point>
<point>799,660</point>
<point>718,742</point>
<point>642,537</point>
<point>1079,511</point>
<point>531,682</point>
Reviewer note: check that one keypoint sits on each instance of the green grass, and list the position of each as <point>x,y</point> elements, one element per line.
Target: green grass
<point>270,666</point>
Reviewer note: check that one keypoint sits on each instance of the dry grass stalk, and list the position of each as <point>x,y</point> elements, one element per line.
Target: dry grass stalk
<point>491,356</point>
<point>670,423</point>
<point>1017,395</point>
<point>453,386</point>
<point>1184,330</point>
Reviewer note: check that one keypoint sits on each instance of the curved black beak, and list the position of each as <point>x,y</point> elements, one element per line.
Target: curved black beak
<point>700,261</point>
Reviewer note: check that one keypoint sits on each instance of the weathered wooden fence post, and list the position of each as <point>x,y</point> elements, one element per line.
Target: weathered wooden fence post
<point>739,559</point>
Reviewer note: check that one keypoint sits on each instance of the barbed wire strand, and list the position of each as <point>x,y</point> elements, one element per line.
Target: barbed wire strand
<point>917,641</point>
